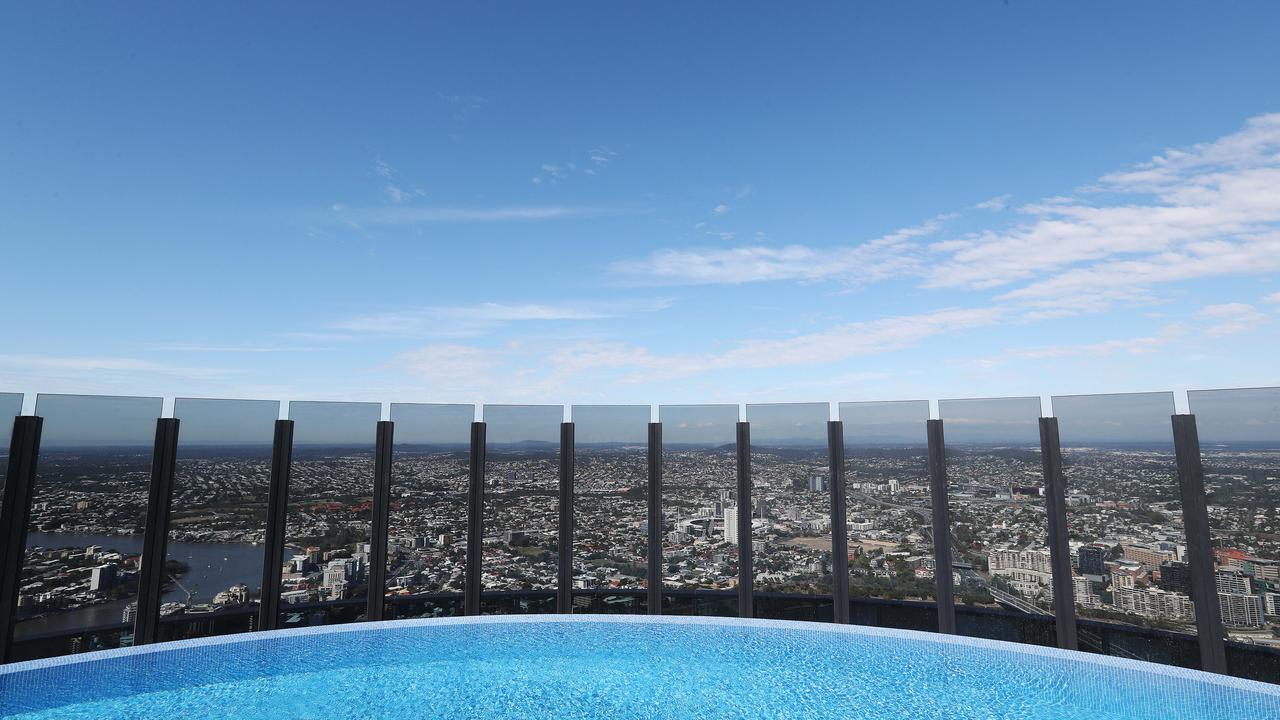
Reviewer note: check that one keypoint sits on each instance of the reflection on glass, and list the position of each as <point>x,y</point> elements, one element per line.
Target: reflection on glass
<point>10,407</point>
<point>1124,511</point>
<point>699,498</point>
<point>791,497</point>
<point>1000,531</point>
<point>427,549</point>
<point>330,504</point>
<point>610,540</point>
<point>218,516</point>
<point>889,517</point>
<point>87,516</point>
<point>1240,449</point>
<point>522,497</point>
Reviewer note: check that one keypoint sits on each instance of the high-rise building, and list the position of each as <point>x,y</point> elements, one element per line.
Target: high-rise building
<point>1092,559</point>
<point>817,483</point>
<point>1175,577</point>
<point>731,524</point>
<point>1240,610</point>
<point>1028,571</point>
<point>1148,556</point>
<point>130,613</point>
<point>1271,603</point>
<point>1155,603</point>
<point>1234,582</point>
<point>1082,588</point>
<point>102,578</point>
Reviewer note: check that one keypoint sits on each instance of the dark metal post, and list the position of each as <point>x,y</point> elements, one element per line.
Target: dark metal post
<point>746,571</point>
<point>1195,518</point>
<point>382,458</point>
<point>656,525</point>
<point>1064,604</point>
<point>564,586</point>
<point>164,457</point>
<point>15,514</point>
<point>839,526</point>
<point>475,521</point>
<point>941,529</point>
<point>277,515</point>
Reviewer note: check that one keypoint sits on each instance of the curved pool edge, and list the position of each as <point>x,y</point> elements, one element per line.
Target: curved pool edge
<point>1200,676</point>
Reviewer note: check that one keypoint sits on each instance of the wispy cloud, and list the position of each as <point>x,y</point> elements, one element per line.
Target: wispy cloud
<point>1231,318</point>
<point>471,320</point>
<point>253,349</point>
<point>554,173</point>
<point>578,369</point>
<point>720,209</point>
<point>397,188</point>
<point>995,204</point>
<point>1204,211</point>
<point>462,107</point>
<point>362,216</point>
<point>880,259</point>
<point>551,174</point>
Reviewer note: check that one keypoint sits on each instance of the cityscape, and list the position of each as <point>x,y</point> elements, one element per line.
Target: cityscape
<point>1127,542</point>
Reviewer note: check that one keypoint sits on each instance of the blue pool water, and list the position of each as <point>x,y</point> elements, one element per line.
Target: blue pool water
<point>590,666</point>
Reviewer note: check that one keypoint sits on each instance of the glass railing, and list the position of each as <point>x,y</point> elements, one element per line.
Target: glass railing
<point>1125,470</point>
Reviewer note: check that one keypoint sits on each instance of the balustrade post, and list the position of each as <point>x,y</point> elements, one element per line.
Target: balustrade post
<point>382,466</point>
<point>155,540</point>
<point>15,515</point>
<point>839,523</point>
<point>1195,520</point>
<point>941,529</point>
<point>277,516</point>
<point>746,570</point>
<point>475,520</point>
<point>564,587</point>
<point>653,574</point>
<point>1064,605</point>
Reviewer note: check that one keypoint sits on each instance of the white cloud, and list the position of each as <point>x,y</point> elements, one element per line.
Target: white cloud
<point>468,320</point>
<point>549,173</point>
<point>995,204</point>
<point>1204,211</point>
<point>602,156</point>
<point>834,344</point>
<point>449,363</point>
<point>554,173</point>
<point>1231,318</point>
<point>462,107</point>
<point>720,209</point>
<point>879,259</point>
<point>360,217</point>
<point>1127,346</point>
<point>200,348</point>
<point>1273,298</point>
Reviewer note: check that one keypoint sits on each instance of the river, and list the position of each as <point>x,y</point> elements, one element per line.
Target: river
<point>214,567</point>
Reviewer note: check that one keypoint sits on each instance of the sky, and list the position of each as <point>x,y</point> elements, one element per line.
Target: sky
<point>657,203</point>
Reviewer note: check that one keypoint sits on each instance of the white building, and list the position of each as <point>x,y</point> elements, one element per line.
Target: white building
<point>1239,610</point>
<point>1155,603</point>
<point>1271,603</point>
<point>1234,582</point>
<point>1082,588</point>
<point>731,524</point>
<point>1030,572</point>
<point>103,578</point>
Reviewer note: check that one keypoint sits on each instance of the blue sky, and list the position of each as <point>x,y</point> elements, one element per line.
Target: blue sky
<point>647,203</point>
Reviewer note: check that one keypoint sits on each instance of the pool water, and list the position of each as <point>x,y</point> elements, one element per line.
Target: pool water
<point>617,667</point>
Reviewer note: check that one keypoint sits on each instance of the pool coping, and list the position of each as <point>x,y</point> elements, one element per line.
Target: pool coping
<point>1198,676</point>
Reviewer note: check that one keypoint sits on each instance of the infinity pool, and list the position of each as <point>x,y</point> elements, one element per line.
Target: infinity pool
<point>592,666</point>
